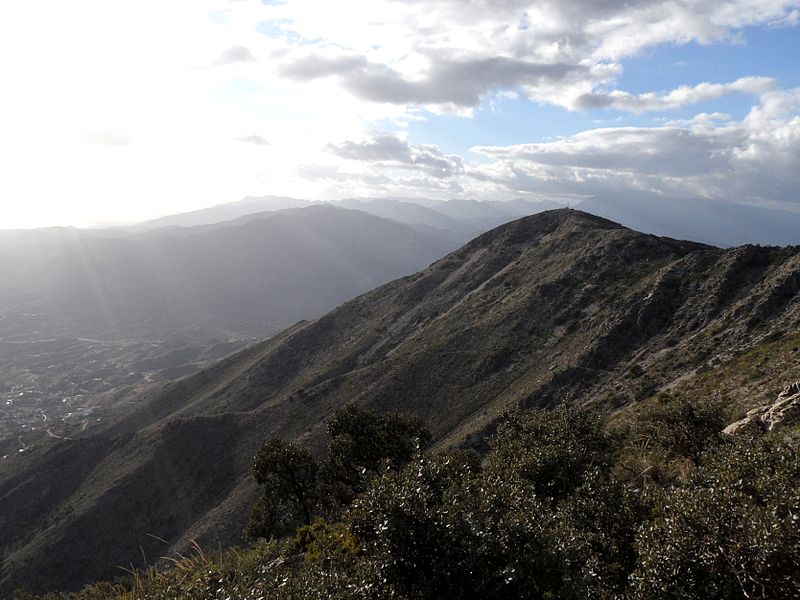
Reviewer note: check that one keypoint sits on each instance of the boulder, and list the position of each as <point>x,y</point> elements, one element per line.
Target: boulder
<point>783,412</point>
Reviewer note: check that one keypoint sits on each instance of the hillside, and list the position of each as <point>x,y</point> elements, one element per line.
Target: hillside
<point>88,319</point>
<point>249,277</point>
<point>557,307</point>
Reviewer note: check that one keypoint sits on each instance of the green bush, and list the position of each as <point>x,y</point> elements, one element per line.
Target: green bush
<point>288,473</point>
<point>364,445</point>
<point>296,488</point>
<point>553,450</point>
<point>731,531</point>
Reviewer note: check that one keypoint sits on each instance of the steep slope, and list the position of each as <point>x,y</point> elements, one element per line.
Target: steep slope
<point>90,318</point>
<point>561,306</point>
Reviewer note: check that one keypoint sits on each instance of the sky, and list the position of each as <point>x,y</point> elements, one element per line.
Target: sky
<point>113,112</point>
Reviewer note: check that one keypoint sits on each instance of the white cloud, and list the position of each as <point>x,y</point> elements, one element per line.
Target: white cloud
<point>754,160</point>
<point>110,110</point>
<point>682,96</point>
<point>413,52</point>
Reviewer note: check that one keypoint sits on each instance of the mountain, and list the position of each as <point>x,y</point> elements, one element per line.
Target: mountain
<point>456,220</point>
<point>480,216</point>
<point>253,277</point>
<point>224,212</point>
<point>719,223</point>
<point>558,307</point>
<point>459,220</point>
<point>88,320</point>
<point>520,207</point>
<point>409,213</point>
<point>468,210</point>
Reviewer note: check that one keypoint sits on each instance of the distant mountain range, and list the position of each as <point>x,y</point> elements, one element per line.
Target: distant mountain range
<point>718,223</point>
<point>224,212</point>
<point>458,220</point>
<point>712,222</point>
<point>91,319</point>
<point>252,276</point>
<point>557,307</point>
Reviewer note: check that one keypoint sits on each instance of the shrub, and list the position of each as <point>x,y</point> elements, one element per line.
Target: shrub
<point>731,531</point>
<point>552,450</point>
<point>365,445</point>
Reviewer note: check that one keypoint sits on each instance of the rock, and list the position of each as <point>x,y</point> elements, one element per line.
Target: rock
<point>783,412</point>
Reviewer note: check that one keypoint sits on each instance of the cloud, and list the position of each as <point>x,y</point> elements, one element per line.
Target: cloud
<point>448,81</point>
<point>677,98</point>
<point>662,151</point>
<point>253,139</point>
<point>754,160</point>
<point>234,55</point>
<point>315,66</point>
<point>392,151</point>
<point>340,70</point>
<point>451,52</point>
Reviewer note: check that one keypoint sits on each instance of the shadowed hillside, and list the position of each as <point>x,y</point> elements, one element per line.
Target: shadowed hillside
<point>557,307</point>
<point>88,319</point>
<point>251,277</point>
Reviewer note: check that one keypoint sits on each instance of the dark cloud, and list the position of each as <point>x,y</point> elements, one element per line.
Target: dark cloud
<point>449,81</point>
<point>233,55</point>
<point>315,67</point>
<point>393,151</point>
<point>594,101</point>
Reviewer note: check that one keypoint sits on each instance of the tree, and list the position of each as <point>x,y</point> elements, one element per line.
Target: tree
<point>730,531</point>
<point>364,445</point>
<point>297,488</point>
<point>552,450</point>
<point>680,428</point>
<point>288,473</point>
<point>543,519</point>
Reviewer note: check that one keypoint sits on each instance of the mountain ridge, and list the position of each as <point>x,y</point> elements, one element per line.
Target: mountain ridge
<point>557,307</point>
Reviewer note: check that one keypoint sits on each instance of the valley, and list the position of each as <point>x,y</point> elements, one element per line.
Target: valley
<point>62,387</point>
<point>90,320</point>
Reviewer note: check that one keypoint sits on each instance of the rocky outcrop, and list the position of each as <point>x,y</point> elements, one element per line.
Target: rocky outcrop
<point>770,417</point>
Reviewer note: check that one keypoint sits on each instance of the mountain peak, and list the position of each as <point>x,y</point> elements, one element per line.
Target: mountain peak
<point>548,226</point>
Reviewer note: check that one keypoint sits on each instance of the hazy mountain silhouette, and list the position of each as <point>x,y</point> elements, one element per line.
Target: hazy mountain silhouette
<point>712,222</point>
<point>459,220</point>
<point>224,212</point>
<point>249,277</point>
